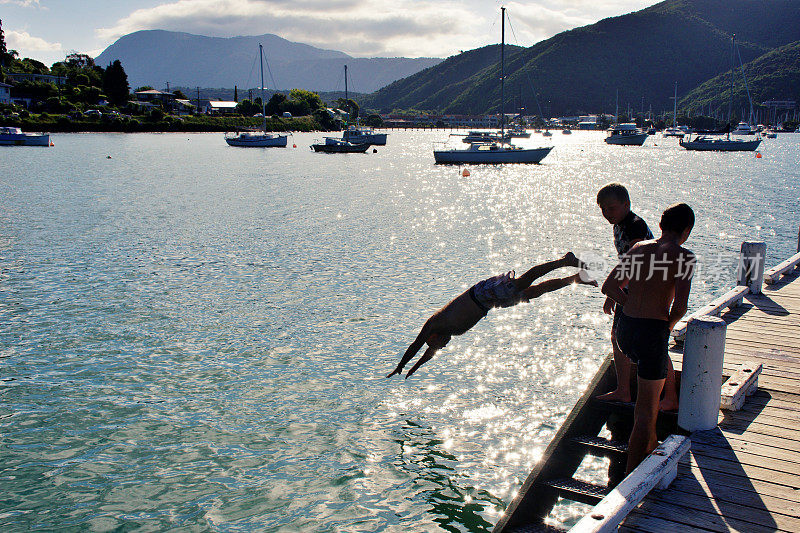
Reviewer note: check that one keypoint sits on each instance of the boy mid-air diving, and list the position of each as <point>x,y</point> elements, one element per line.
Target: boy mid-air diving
<point>466,310</point>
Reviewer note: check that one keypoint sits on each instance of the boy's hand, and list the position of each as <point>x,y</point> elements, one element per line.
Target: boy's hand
<point>608,306</point>
<point>397,370</point>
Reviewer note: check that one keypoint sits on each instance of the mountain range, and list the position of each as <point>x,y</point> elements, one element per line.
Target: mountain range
<point>158,57</point>
<point>638,56</point>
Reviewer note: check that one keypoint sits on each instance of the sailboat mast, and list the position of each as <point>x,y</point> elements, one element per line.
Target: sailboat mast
<point>502,71</point>
<point>730,96</point>
<point>675,108</point>
<point>263,104</point>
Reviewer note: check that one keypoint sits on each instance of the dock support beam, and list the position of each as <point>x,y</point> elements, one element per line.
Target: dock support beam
<point>701,376</point>
<point>751,265</point>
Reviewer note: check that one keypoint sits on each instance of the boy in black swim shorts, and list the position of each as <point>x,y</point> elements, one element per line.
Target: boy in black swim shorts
<point>505,290</point>
<point>658,275</point>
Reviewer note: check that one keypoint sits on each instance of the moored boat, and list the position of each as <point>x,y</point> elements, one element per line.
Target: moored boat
<point>10,136</point>
<point>339,146</point>
<point>476,136</point>
<point>626,134</point>
<point>252,139</point>
<point>363,134</point>
<point>494,152</point>
<point>705,143</point>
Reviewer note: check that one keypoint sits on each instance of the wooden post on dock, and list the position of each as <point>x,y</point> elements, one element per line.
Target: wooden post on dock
<point>751,265</point>
<point>701,376</point>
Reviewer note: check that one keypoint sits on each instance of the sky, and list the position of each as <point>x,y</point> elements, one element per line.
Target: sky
<point>48,30</point>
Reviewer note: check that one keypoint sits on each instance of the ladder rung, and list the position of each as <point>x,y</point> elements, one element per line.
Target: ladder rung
<point>579,491</point>
<point>600,446</point>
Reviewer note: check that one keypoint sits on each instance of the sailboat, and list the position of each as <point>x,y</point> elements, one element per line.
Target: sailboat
<point>258,139</point>
<point>675,130</point>
<point>494,152</point>
<point>716,144</point>
<point>357,134</point>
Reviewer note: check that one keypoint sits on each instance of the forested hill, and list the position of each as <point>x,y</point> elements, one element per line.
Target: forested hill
<point>641,55</point>
<point>773,76</point>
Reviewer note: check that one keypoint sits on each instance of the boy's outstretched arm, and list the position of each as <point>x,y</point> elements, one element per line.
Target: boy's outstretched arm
<point>412,350</point>
<point>422,360</point>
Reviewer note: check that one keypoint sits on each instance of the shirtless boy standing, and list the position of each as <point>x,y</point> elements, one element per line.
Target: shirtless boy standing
<point>658,274</point>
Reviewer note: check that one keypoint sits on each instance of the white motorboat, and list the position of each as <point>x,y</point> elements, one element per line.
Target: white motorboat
<point>10,136</point>
<point>743,128</point>
<point>494,152</point>
<point>251,139</point>
<point>626,134</point>
<point>519,131</point>
<point>363,134</point>
<point>477,136</point>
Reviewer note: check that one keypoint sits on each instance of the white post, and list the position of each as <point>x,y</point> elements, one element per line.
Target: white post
<point>751,265</point>
<point>701,377</point>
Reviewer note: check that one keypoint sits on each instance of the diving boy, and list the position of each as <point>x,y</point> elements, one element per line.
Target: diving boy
<point>466,310</point>
<point>658,275</point>
<point>629,228</point>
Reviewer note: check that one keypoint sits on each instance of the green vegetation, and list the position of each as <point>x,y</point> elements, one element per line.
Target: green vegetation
<point>641,55</point>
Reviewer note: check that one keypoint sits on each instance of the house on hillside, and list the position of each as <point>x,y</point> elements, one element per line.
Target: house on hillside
<point>17,77</point>
<point>184,107</point>
<point>216,107</point>
<point>155,97</point>
<point>5,93</point>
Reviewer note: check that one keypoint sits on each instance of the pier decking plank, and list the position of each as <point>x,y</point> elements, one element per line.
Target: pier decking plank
<point>745,475</point>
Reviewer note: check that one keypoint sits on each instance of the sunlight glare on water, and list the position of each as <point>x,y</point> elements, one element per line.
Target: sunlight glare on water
<point>195,336</point>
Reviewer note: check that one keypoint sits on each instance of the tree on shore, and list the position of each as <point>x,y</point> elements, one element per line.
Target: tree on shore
<point>115,84</point>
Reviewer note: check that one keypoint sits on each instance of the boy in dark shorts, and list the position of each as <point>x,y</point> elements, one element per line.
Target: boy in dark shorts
<point>629,228</point>
<point>462,313</point>
<point>658,275</point>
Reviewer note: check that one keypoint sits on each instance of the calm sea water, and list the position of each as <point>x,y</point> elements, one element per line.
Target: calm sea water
<point>194,337</point>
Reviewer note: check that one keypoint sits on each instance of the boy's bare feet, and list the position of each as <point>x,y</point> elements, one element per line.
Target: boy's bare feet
<point>572,261</point>
<point>585,279</point>
<point>615,396</point>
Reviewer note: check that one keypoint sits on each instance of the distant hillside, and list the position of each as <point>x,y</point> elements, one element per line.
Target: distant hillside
<point>773,76</point>
<point>641,55</point>
<point>155,57</point>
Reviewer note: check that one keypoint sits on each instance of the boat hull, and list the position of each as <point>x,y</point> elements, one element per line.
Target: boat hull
<point>721,145</point>
<point>341,148</point>
<point>627,140</point>
<point>532,155</point>
<point>378,139</point>
<point>25,139</point>
<point>256,141</point>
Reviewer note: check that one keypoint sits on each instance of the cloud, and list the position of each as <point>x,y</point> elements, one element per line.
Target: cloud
<point>24,43</point>
<point>358,27</point>
<point>22,3</point>
<point>369,28</point>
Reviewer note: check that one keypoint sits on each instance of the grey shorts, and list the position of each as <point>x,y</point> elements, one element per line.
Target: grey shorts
<point>497,291</point>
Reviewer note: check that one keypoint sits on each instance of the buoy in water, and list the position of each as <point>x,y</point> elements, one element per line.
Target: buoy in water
<point>108,157</point>
<point>294,146</point>
<point>374,150</point>
<point>758,155</point>
<point>52,143</point>
<point>465,173</point>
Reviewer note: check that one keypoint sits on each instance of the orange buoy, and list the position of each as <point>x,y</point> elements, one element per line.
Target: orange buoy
<point>465,173</point>
<point>294,146</point>
<point>758,155</point>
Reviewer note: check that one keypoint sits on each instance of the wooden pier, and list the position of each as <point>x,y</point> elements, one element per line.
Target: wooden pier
<point>745,475</point>
<point>742,475</point>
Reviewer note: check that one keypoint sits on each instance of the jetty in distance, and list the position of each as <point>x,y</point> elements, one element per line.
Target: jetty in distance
<point>729,459</point>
